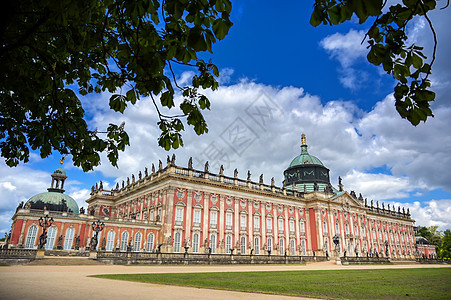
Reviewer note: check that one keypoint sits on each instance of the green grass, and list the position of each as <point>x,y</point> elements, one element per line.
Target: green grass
<point>349,284</point>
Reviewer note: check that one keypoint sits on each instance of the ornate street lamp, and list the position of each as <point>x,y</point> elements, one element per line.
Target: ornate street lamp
<point>97,226</point>
<point>44,223</point>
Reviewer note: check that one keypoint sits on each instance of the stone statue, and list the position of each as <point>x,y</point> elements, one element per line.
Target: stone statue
<point>168,160</point>
<point>366,202</point>
<point>146,172</point>
<point>173,159</point>
<point>408,211</point>
<point>123,184</point>
<point>329,189</point>
<point>383,206</point>
<point>272,182</point>
<point>19,206</point>
<point>160,165</point>
<point>388,207</point>
<point>153,168</point>
<point>103,244</point>
<point>97,186</point>
<point>315,186</point>
<point>42,240</point>
<point>399,209</point>
<point>133,178</point>
<point>117,186</point>
<point>248,175</point>
<point>360,197</point>
<point>118,243</point>
<point>92,189</point>
<point>403,211</point>
<point>190,163</point>
<point>377,204</point>
<point>60,243</point>
<point>128,181</point>
<point>221,170</point>
<point>261,179</point>
<point>140,175</point>
<point>77,242</point>
<point>372,205</point>
<point>82,211</point>
<point>206,167</point>
<point>101,185</point>
<point>235,173</point>
<point>339,180</point>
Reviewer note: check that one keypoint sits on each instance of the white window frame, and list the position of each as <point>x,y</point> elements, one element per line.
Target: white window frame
<point>213,219</point>
<point>137,243</point>
<point>51,235</point>
<point>177,241</point>
<point>228,220</point>
<point>257,245</point>
<point>150,241</point>
<point>31,237</point>
<point>243,245</point>
<point>196,242</point>
<point>268,224</point>
<point>69,238</point>
<point>110,241</point>
<point>213,243</point>
<point>243,221</point>
<point>281,246</point>
<point>124,241</point>
<point>256,223</point>
<point>196,218</point>
<point>178,215</point>
<point>281,224</point>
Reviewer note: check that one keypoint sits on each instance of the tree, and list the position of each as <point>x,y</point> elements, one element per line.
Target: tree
<point>51,53</point>
<point>387,46</point>
<point>445,248</point>
<point>52,50</point>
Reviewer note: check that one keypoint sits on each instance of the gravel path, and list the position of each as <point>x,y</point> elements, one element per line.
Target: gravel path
<point>71,282</point>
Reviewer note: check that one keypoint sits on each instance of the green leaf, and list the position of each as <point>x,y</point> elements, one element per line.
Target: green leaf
<point>167,99</point>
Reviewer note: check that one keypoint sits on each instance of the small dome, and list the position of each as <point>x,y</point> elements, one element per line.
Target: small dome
<point>421,240</point>
<point>305,159</point>
<point>53,201</point>
<point>60,171</point>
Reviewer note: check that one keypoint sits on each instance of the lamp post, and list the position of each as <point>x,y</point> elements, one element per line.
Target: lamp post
<point>97,226</point>
<point>44,223</point>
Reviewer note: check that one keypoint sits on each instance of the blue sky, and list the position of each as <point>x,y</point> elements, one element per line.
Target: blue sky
<point>317,81</point>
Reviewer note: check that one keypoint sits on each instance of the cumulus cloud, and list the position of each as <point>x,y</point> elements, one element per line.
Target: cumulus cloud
<point>349,50</point>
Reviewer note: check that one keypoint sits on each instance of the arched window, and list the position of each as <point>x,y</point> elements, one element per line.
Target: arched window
<point>137,245</point>
<point>213,243</point>
<point>149,243</point>
<point>302,227</point>
<point>337,228</point>
<point>257,245</point>
<point>293,247</point>
<point>228,243</point>
<point>281,247</point>
<point>303,247</point>
<point>196,243</point>
<point>31,237</point>
<point>51,234</point>
<point>324,228</point>
<point>347,228</point>
<point>177,242</point>
<point>243,245</point>
<point>281,226</point>
<point>110,241</point>
<point>124,241</point>
<point>269,241</point>
<point>68,239</point>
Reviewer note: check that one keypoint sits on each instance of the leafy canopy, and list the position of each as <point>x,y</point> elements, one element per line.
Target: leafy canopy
<point>52,50</point>
<point>387,46</point>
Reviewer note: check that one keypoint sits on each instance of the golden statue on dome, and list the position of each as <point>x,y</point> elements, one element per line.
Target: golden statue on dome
<point>303,139</point>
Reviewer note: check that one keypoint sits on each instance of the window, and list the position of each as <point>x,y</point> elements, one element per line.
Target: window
<point>51,234</point>
<point>213,218</point>
<point>110,241</point>
<point>124,241</point>
<point>31,237</point>
<point>363,231</point>
<point>243,245</point>
<point>178,215</point>
<point>347,228</point>
<point>228,220</point>
<point>69,238</point>
<point>302,227</point>
<point>213,243</point>
<point>292,226</point>
<point>196,221</point>
<point>177,242</point>
<point>228,243</point>
<point>152,212</point>
<point>356,230</point>
<point>324,228</point>
<point>149,247</point>
<point>280,225</point>
<point>293,247</point>
<point>281,247</point>
<point>257,245</point>
<point>137,245</point>
<point>269,225</point>
<point>195,243</point>
<point>256,223</point>
<point>269,241</point>
<point>243,222</point>
<point>303,247</point>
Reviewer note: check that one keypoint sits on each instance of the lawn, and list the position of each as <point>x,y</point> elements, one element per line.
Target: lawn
<point>349,284</point>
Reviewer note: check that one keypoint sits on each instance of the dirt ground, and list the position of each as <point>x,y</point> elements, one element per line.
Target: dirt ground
<point>71,282</point>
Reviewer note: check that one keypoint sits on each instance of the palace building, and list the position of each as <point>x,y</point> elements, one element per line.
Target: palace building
<point>173,209</point>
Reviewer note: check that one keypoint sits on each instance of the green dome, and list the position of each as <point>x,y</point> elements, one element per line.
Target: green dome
<point>305,159</point>
<point>60,171</point>
<point>53,201</point>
